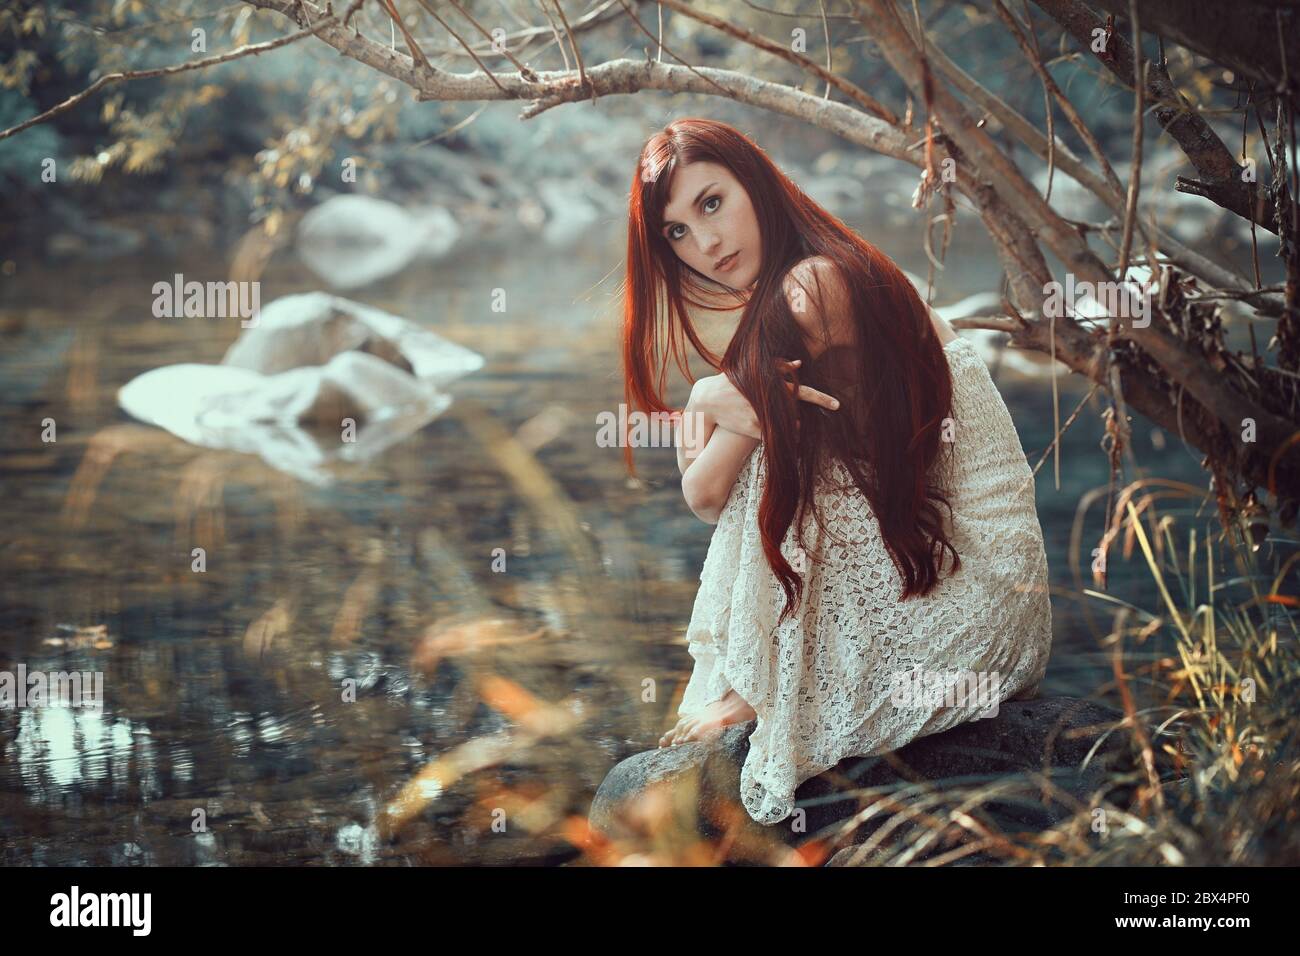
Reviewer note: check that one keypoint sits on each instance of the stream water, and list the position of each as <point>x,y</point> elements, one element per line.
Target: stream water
<point>506,606</point>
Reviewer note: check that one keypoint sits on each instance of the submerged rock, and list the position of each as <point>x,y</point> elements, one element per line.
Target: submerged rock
<point>1051,735</point>
<point>312,360</point>
<point>352,240</point>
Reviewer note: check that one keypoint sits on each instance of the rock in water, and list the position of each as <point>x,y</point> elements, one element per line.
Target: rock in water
<point>1043,735</point>
<point>311,360</point>
<point>311,328</point>
<point>570,211</point>
<point>352,240</point>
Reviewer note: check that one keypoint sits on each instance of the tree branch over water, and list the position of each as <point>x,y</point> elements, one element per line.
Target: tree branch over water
<point>1173,367</point>
<point>252,49</point>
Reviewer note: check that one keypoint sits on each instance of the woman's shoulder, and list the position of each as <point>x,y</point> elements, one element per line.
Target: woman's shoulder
<point>942,328</point>
<point>819,301</point>
<point>816,276</point>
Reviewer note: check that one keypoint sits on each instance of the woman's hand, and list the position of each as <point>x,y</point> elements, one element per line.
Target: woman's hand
<point>717,397</point>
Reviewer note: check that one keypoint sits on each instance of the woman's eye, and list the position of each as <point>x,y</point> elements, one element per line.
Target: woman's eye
<point>674,235</point>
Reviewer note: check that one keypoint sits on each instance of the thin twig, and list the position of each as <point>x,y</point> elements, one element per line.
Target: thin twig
<point>1051,123</point>
<point>1066,106</point>
<point>1263,134</point>
<point>555,31</point>
<point>1061,430</point>
<point>1135,174</point>
<point>826,31</point>
<point>1245,158</point>
<point>417,54</point>
<point>1076,120</point>
<point>600,15</point>
<point>848,88</point>
<point>577,53</point>
<point>637,20</point>
<point>524,71</point>
<point>659,52</point>
<point>251,49</point>
<point>461,40</point>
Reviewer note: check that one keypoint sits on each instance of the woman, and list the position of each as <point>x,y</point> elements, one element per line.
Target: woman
<point>876,557</point>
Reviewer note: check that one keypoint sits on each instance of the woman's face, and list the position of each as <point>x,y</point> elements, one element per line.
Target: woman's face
<point>709,217</point>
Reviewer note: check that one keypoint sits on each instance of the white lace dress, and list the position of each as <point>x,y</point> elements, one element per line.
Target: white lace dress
<point>828,683</point>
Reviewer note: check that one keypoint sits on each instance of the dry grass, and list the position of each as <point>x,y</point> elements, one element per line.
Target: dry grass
<point>1214,777</point>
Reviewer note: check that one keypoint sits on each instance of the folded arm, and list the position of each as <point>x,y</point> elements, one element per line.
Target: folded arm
<point>709,477</point>
<point>694,428</point>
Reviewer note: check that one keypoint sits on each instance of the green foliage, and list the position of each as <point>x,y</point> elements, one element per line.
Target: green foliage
<point>21,156</point>
<point>305,107</point>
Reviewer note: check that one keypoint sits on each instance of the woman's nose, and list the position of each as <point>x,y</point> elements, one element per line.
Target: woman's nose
<point>709,244</point>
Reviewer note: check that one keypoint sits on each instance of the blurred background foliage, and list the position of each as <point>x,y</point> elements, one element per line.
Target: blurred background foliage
<point>261,131</point>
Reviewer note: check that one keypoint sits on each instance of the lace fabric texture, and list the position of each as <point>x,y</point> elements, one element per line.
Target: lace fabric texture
<point>825,683</point>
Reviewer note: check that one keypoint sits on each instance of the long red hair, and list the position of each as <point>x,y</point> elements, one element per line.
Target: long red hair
<point>889,431</point>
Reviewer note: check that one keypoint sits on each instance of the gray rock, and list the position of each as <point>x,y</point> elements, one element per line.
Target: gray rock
<point>352,240</point>
<point>1049,735</point>
<point>288,383</point>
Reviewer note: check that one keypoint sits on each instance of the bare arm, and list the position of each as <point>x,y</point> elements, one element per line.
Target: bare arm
<point>708,482</point>
<point>693,431</point>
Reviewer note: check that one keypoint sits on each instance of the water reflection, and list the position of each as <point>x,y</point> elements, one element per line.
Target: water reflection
<point>433,660</point>
<point>316,379</point>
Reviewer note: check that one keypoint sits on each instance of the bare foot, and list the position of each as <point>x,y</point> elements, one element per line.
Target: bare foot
<point>708,723</point>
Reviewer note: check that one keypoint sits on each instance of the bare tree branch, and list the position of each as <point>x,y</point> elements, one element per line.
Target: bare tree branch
<point>1220,172</point>
<point>416,53</point>
<point>1226,32</point>
<point>1139,121</point>
<point>251,49</point>
<point>853,91</point>
<point>1148,368</point>
<point>524,73</point>
<point>1175,356</point>
<point>1075,119</point>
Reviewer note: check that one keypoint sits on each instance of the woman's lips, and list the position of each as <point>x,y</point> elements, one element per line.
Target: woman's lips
<point>729,263</point>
